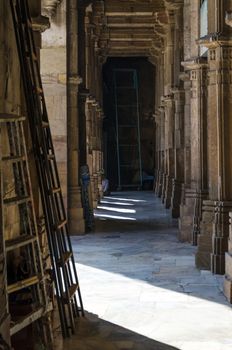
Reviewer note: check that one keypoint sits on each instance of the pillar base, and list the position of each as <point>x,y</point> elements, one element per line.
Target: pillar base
<point>159,183</point>
<point>176,198</point>
<point>76,221</point>
<point>168,192</point>
<point>75,212</point>
<point>220,237</point>
<point>203,255</point>
<point>200,196</point>
<point>163,190</point>
<point>186,215</point>
<point>227,286</point>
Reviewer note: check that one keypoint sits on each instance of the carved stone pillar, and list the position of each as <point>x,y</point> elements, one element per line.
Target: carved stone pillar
<point>178,152</point>
<point>186,206</point>
<point>227,287</point>
<point>168,102</point>
<point>169,150</point>
<point>228,255</point>
<point>191,50</point>
<point>159,117</point>
<point>199,180</point>
<point>156,117</point>
<point>220,148</point>
<point>75,210</point>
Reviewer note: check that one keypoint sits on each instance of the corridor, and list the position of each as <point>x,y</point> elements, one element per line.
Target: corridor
<point>140,287</point>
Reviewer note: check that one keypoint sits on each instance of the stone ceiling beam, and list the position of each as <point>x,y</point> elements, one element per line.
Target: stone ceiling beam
<point>129,14</point>
<point>132,25</point>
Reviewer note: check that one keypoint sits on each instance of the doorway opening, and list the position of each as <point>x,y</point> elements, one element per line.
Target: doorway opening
<point>129,104</point>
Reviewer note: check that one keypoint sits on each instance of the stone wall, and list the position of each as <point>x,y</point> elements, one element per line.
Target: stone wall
<point>53,70</point>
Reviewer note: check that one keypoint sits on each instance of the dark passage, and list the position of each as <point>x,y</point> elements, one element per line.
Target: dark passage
<point>129,102</point>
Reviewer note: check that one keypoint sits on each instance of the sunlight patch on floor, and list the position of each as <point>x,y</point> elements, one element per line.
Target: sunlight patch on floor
<point>114,217</point>
<point>117,210</point>
<point>161,314</point>
<point>116,203</point>
<point>126,199</point>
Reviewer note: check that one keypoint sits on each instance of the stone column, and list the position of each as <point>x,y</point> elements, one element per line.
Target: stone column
<point>169,151</point>
<point>199,177</point>
<point>160,121</point>
<point>54,78</point>
<point>75,210</point>
<point>168,103</point>
<point>157,187</point>
<point>178,97</point>
<point>191,51</point>
<point>228,255</point>
<point>186,207</point>
<point>178,152</point>
<point>220,148</point>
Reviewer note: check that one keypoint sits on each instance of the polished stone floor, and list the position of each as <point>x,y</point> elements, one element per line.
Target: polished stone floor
<point>139,284</point>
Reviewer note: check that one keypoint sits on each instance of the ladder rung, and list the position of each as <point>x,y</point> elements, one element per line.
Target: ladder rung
<point>11,288</point>
<point>45,124</point>
<point>29,23</point>
<point>31,317</point>
<point>14,159</point>
<point>66,256</point>
<point>16,200</point>
<point>127,125</point>
<point>6,117</point>
<point>34,56</point>
<point>72,290</point>
<point>51,156</point>
<point>56,190</point>
<point>39,90</point>
<point>61,224</point>
<point>19,242</point>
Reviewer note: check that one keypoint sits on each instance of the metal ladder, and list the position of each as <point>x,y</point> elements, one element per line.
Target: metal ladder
<point>27,288</point>
<point>67,288</point>
<point>127,125</point>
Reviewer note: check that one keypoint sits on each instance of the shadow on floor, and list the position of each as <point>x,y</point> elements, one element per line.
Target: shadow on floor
<point>93,333</point>
<point>136,237</point>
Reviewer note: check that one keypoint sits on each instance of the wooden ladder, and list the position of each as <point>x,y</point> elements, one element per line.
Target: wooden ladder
<point>63,264</point>
<point>26,281</point>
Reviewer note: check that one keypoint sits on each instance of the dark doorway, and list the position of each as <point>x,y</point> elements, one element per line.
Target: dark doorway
<point>129,129</point>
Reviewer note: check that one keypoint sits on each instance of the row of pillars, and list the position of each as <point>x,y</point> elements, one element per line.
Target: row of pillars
<point>85,115</point>
<point>193,134</point>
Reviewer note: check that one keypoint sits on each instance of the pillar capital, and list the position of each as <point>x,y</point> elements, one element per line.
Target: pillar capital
<point>214,40</point>
<point>195,63</point>
<point>40,23</point>
<point>74,79</point>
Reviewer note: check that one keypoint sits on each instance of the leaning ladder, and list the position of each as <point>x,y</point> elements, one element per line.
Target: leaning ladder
<point>31,286</point>
<point>63,264</point>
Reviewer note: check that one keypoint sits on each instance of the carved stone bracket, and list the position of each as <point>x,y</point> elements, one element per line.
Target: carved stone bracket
<point>40,23</point>
<point>74,80</point>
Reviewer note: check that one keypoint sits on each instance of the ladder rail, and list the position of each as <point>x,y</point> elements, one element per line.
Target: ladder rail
<point>46,168</point>
<point>39,164</point>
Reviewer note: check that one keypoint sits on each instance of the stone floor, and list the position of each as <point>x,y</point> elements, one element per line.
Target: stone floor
<point>139,284</point>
